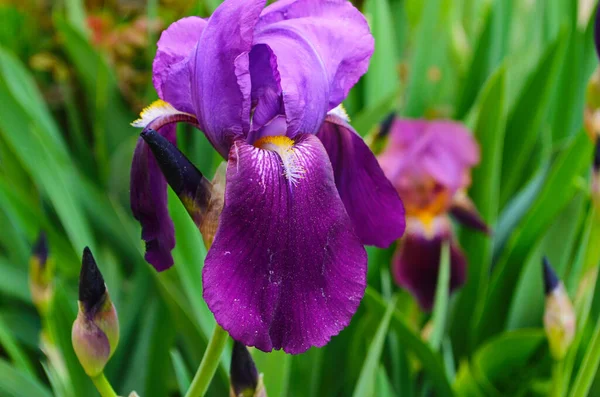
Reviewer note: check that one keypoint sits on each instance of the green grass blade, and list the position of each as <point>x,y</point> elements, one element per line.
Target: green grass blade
<point>15,383</point>
<point>587,372</point>
<point>14,351</point>
<point>431,30</point>
<point>559,189</point>
<point>488,53</point>
<point>368,374</point>
<point>432,362</point>
<point>440,310</point>
<point>382,79</point>
<point>184,378</point>
<point>489,132</point>
<point>527,116</point>
<point>276,367</point>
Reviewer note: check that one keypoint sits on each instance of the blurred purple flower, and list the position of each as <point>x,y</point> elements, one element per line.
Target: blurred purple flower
<point>303,192</point>
<point>429,163</point>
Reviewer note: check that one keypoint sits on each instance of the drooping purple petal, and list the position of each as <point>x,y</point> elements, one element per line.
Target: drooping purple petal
<point>148,198</point>
<point>170,70</point>
<point>221,85</point>
<point>372,202</point>
<point>417,261</point>
<point>322,48</point>
<point>286,269</point>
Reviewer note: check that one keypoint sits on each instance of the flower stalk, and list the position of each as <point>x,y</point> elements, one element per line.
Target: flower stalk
<point>208,365</point>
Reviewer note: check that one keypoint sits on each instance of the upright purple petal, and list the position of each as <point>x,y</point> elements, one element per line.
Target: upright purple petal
<point>286,269</point>
<point>221,85</point>
<point>417,262</point>
<point>443,149</point>
<point>148,198</point>
<point>170,70</point>
<point>372,202</point>
<point>322,48</point>
<point>266,94</point>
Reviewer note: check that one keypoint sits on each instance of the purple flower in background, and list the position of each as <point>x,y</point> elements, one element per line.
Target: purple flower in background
<point>303,192</point>
<point>429,163</point>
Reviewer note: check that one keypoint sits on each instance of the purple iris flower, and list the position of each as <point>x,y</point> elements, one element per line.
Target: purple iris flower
<point>429,163</point>
<point>303,193</point>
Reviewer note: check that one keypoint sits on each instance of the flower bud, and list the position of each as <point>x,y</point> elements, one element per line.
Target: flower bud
<point>41,273</point>
<point>559,316</point>
<point>192,188</point>
<point>95,333</point>
<point>245,380</point>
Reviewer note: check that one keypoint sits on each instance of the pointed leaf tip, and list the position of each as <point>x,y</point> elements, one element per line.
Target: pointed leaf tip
<point>91,282</point>
<point>551,280</point>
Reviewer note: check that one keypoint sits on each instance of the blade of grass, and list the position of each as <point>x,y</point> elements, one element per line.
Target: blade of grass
<point>440,309</point>
<point>368,374</point>
<point>489,132</point>
<point>527,116</point>
<point>15,383</point>
<point>432,362</point>
<point>419,88</point>
<point>14,351</point>
<point>558,190</point>
<point>276,367</point>
<point>381,80</point>
<point>587,372</point>
<point>184,378</point>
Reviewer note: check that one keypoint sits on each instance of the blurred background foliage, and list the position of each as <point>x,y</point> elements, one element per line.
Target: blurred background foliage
<point>74,74</point>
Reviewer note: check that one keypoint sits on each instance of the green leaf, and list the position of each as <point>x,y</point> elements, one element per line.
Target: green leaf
<point>420,89</point>
<point>432,363</point>
<point>370,117</point>
<point>14,351</point>
<point>39,147</point>
<point>276,367</point>
<point>184,378</point>
<point>505,365</point>
<point>527,117</point>
<point>440,310</point>
<point>489,132</point>
<point>489,51</point>
<point>368,374</point>
<point>13,282</point>
<point>381,80</point>
<point>589,367</point>
<point>15,383</point>
<point>558,190</point>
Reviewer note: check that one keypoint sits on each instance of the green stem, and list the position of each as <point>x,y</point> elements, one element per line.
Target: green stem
<point>103,386</point>
<point>209,363</point>
<point>557,379</point>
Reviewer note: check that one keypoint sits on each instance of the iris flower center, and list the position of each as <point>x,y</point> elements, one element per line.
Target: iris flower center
<point>284,147</point>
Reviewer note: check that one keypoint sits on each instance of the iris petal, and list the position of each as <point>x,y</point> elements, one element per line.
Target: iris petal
<point>372,202</point>
<point>322,48</point>
<point>171,72</point>
<point>417,261</point>
<point>221,86</point>
<point>148,196</point>
<point>286,269</point>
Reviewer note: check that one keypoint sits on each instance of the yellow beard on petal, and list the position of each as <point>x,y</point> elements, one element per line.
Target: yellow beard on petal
<point>284,147</point>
